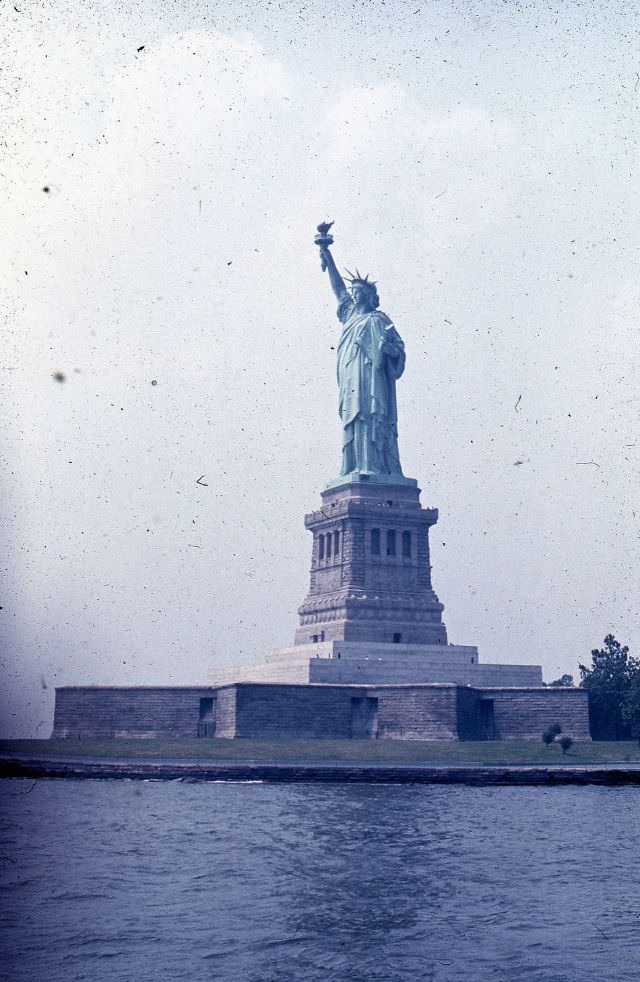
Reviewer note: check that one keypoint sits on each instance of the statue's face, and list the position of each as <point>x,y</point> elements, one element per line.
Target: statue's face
<point>360,295</point>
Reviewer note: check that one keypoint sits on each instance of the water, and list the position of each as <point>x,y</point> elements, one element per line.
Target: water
<point>122,880</point>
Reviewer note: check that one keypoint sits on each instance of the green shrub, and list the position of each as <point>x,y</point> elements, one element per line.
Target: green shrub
<point>551,733</point>
<point>566,742</point>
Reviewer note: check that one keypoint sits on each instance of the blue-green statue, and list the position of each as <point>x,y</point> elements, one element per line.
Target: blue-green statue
<point>370,359</point>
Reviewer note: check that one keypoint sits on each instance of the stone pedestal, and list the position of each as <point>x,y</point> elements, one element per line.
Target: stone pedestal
<point>371,615</point>
<point>370,569</point>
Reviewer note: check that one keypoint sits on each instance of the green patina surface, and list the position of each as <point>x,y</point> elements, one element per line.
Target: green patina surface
<point>301,751</point>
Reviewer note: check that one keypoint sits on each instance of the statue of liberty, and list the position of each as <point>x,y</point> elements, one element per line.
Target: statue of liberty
<point>370,359</point>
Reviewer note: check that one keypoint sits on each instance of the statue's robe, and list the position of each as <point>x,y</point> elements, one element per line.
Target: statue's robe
<point>370,359</point>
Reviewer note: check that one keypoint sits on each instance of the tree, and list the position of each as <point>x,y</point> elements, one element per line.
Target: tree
<point>563,681</point>
<point>613,684</point>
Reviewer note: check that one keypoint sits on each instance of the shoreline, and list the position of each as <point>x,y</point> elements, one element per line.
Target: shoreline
<point>549,775</point>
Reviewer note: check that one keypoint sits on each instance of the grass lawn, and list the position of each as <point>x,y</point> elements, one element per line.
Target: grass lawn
<point>361,751</point>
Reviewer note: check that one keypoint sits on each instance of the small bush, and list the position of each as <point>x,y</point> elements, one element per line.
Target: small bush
<point>551,733</point>
<point>566,742</point>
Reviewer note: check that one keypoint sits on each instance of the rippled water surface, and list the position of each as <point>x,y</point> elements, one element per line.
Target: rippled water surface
<point>122,880</point>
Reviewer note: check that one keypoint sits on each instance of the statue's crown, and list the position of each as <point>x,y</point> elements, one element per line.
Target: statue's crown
<point>359,279</point>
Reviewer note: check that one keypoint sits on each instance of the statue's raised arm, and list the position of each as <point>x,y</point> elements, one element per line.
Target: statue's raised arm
<point>323,240</point>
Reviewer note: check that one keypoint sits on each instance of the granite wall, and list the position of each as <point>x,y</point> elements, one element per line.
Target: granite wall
<point>293,711</point>
<point>268,711</point>
<point>524,714</point>
<point>417,713</point>
<point>226,720</point>
<point>145,711</point>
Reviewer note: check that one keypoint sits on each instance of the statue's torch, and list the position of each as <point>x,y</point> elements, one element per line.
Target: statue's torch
<point>324,240</point>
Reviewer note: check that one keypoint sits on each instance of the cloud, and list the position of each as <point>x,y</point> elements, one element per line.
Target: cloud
<point>192,118</point>
<point>400,156</point>
<point>193,103</point>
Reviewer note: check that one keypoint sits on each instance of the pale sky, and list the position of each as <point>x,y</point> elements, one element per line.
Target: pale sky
<point>480,161</point>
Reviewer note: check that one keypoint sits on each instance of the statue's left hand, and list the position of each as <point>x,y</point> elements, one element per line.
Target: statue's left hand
<point>390,342</point>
